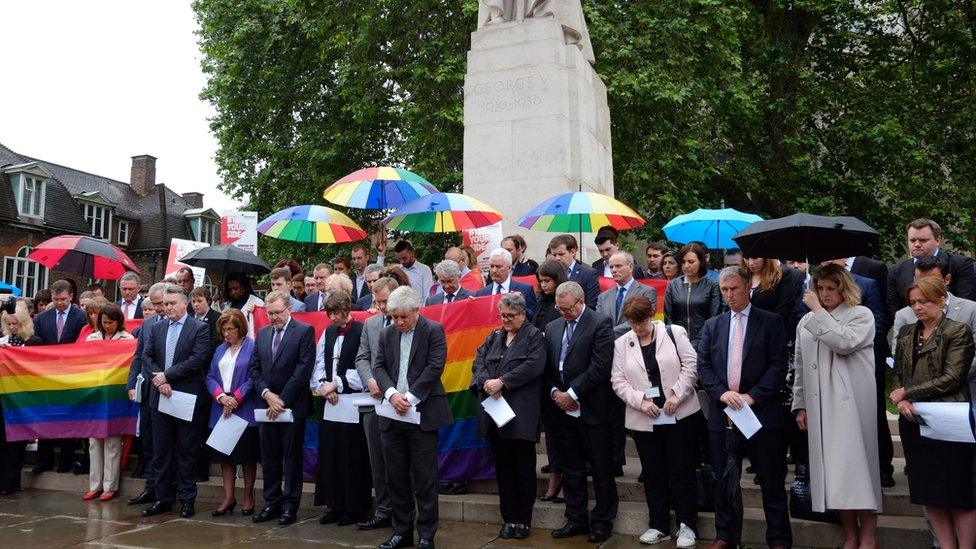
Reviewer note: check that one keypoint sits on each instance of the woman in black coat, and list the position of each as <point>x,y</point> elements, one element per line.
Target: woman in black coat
<point>343,479</point>
<point>509,366</point>
<point>18,331</point>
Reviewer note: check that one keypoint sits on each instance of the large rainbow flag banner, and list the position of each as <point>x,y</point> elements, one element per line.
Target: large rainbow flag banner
<point>462,454</point>
<point>67,391</point>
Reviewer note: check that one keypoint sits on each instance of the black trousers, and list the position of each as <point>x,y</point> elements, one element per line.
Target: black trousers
<point>411,469</point>
<point>886,450</point>
<point>176,451</point>
<point>515,473</point>
<point>45,451</point>
<point>668,457</point>
<point>146,441</point>
<point>767,453</point>
<point>281,460</point>
<point>619,433</point>
<point>571,438</point>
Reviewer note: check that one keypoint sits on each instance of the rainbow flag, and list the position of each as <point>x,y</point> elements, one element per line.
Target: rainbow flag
<point>67,391</point>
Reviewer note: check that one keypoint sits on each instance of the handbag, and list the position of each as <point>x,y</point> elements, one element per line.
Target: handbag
<point>801,505</point>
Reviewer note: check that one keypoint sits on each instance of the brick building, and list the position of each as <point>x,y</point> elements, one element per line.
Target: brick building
<point>40,200</point>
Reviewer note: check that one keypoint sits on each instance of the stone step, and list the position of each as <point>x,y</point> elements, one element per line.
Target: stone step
<point>901,532</point>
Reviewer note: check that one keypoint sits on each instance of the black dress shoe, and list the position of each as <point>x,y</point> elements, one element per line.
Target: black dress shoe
<point>521,531</point>
<point>331,517</point>
<point>570,529</point>
<point>396,541</point>
<point>187,510</point>
<point>599,535</point>
<point>144,496</point>
<point>887,480</point>
<point>288,516</point>
<point>507,531</point>
<point>157,508</point>
<point>425,543</point>
<point>346,520</point>
<point>618,471</point>
<point>375,522</point>
<point>267,514</point>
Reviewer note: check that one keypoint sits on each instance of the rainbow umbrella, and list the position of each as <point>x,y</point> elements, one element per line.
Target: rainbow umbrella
<point>442,213</point>
<point>580,212</point>
<point>378,188</point>
<point>314,224</point>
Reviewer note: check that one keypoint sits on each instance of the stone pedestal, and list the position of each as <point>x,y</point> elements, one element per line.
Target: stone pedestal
<point>536,123</point>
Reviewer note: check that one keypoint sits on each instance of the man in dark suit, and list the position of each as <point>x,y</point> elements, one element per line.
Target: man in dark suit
<point>607,243</point>
<point>175,357</point>
<point>284,356</point>
<point>407,369</point>
<point>59,325</point>
<point>521,265</point>
<point>742,362</point>
<point>500,272</point>
<point>360,263</point>
<point>580,348</point>
<point>925,238</point>
<point>136,370</point>
<point>449,277</point>
<point>315,301</point>
<point>131,302</point>
<point>563,248</point>
<point>373,273</point>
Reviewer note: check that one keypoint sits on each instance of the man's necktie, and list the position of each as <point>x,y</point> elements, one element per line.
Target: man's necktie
<point>498,289</point>
<point>449,298</point>
<point>60,323</point>
<point>569,273</point>
<point>735,361</point>
<point>171,337</point>
<point>621,291</point>
<point>567,337</point>
<point>125,309</point>
<point>276,342</point>
<point>386,321</point>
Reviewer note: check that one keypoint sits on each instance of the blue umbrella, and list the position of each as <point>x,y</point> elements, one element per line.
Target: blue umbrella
<point>9,288</point>
<point>713,227</point>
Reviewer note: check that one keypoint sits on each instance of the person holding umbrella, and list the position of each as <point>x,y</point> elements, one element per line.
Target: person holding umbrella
<point>730,381</point>
<point>692,298</point>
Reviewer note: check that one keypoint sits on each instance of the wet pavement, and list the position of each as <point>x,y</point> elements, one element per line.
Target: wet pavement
<point>42,519</point>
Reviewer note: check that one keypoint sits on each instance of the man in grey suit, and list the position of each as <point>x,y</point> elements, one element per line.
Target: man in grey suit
<point>610,302</point>
<point>408,367</point>
<point>449,275</point>
<point>368,348</point>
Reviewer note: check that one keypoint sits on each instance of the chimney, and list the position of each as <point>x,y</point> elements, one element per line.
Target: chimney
<point>195,200</point>
<point>143,176</point>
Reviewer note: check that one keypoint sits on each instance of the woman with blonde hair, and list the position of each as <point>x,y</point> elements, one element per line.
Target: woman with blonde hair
<point>338,282</point>
<point>18,331</point>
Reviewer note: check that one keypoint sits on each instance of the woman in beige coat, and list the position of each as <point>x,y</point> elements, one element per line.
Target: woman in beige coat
<point>834,401</point>
<point>654,373</point>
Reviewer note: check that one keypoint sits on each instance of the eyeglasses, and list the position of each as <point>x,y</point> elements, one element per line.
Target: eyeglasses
<point>508,316</point>
<point>570,308</point>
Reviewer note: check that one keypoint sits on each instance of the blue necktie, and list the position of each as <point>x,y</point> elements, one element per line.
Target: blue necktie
<point>498,289</point>
<point>171,336</point>
<point>621,290</point>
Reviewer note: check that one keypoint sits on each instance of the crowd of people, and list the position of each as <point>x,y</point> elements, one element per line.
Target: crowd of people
<point>805,347</point>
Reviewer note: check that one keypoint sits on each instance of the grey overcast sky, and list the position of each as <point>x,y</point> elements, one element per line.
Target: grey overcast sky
<point>90,84</point>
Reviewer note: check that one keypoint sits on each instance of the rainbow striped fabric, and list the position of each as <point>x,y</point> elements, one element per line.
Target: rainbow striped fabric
<point>67,391</point>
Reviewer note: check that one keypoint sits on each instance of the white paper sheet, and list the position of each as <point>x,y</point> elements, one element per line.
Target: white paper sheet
<point>385,409</point>
<point>362,399</point>
<point>745,419</point>
<point>226,433</point>
<point>945,421</point>
<point>261,416</point>
<point>663,419</point>
<point>499,410</point>
<point>179,405</point>
<point>343,411</point>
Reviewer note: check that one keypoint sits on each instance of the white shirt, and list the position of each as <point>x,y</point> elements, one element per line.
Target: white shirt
<point>226,367</point>
<point>318,373</point>
<point>131,313</point>
<point>606,270</point>
<point>849,263</point>
<point>745,325</point>
<point>504,285</point>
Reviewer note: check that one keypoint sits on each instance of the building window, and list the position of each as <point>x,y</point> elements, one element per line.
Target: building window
<point>209,231</point>
<point>99,220</point>
<point>29,192</point>
<point>123,233</point>
<point>23,273</point>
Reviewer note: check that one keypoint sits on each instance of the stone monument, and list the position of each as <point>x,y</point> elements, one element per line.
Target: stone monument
<point>536,121</point>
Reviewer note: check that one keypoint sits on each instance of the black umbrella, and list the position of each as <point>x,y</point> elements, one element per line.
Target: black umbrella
<point>226,258</point>
<point>808,237</point>
<point>730,489</point>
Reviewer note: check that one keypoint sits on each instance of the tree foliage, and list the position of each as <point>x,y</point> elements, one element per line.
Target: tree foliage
<point>770,106</point>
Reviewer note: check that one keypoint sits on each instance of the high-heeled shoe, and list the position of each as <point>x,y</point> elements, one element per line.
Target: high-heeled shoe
<point>247,511</point>
<point>555,494</point>
<point>229,510</point>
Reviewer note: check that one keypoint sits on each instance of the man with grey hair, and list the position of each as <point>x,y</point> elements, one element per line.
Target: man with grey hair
<point>372,273</point>
<point>365,359</point>
<point>449,277</point>
<point>500,272</point>
<point>175,357</point>
<point>131,302</point>
<point>579,350</point>
<point>407,369</point>
<point>138,377</point>
<point>458,256</point>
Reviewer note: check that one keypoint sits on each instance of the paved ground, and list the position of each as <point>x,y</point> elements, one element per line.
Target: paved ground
<point>41,519</point>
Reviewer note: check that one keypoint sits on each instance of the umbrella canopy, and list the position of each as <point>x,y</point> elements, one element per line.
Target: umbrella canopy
<point>808,237</point>
<point>713,227</point>
<point>226,258</point>
<point>11,289</point>
<point>314,224</point>
<point>442,213</point>
<point>580,212</point>
<point>378,188</point>
<point>83,256</point>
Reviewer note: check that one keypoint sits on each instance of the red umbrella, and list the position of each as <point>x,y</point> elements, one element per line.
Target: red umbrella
<point>83,256</point>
